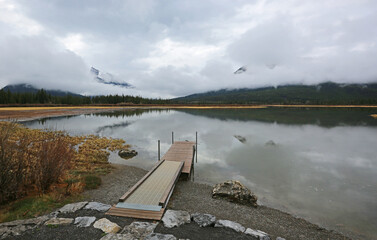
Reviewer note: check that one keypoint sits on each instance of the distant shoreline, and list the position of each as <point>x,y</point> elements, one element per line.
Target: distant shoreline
<point>31,112</point>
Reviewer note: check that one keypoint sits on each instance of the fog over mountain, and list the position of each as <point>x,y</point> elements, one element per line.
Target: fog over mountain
<point>176,48</point>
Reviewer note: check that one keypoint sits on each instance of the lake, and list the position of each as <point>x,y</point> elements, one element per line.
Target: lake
<point>319,164</point>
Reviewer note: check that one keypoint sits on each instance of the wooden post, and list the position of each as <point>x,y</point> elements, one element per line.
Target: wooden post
<point>196,146</point>
<point>158,150</point>
<point>172,137</point>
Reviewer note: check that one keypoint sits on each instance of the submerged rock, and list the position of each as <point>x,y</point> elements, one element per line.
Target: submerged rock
<point>229,224</point>
<point>203,220</point>
<point>234,191</point>
<point>240,138</point>
<point>173,218</point>
<point>270,143</point>
<point>127,154</point>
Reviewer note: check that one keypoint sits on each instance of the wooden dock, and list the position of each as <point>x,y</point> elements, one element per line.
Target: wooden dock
<point>148,198</point>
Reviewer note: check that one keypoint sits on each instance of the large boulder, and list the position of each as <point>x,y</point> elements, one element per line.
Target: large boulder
<point>234,191</point>
<point>127,154</point>
<point>72,207</point>
<point>97,206</point>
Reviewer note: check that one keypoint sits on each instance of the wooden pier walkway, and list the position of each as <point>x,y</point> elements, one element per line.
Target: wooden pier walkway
<point>148,198</point>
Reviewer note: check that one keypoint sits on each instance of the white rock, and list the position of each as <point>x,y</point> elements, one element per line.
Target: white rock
<point>140,229</point>
<point>280,238</point>
<point>203,220</point>
<point>159,236</point>
<point>114,236</point>
<point>59,221</point>
<point>72,207</point>
<point>229,224</point>
<point>257,234</point>
<point>106,226</point>
<point>97,206</point>
<point>84,221</point>
<point>175,218</point>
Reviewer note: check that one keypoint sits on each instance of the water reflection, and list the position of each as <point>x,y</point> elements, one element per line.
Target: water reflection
<point>322,167</point>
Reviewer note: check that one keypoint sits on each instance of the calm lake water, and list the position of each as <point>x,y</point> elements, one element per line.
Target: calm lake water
<point>319,164</point>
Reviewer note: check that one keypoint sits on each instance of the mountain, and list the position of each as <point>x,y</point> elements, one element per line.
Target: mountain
<point>324,93</point>
<point>107,78</point>
<point>27,88</point>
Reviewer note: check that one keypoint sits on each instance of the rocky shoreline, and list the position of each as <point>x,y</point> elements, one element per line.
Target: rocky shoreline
<point>81,215</point>
<point>194,199</point>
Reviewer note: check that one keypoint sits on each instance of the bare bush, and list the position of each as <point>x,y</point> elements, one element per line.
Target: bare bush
<point>12,165</point>
<point>53,159</point>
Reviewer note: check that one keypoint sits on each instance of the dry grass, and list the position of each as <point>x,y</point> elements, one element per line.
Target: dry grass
<point>52,108</point>
<point>39,163</point>
<point>374,115</point>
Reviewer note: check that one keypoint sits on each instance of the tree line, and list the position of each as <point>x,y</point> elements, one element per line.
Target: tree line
<point>43,97</point>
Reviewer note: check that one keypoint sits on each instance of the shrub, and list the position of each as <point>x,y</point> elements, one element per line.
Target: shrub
<point>12,164</point>
<point>54,158</point>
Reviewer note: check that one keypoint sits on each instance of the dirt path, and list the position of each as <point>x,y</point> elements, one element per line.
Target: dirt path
<point>195,197</point>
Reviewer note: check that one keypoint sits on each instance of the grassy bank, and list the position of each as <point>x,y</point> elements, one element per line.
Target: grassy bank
<point>43,169</point>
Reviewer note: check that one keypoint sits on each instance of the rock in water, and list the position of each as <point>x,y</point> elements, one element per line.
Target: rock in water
<point>240,138</point>
<point>270,143</point>
<point>203,220</point>
<point>173,218</point>
<point>234,191</point>
<point>127,154</point>
<point>106,226</point>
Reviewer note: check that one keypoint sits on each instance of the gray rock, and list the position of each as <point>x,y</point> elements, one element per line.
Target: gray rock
<point>234,191</point>
<point>203,220</point>
<point>257,234</point>
<point>240,138</point>
<point>106,226</point>
<point>140,230</point>
<point>59,221</point>
<point>159,236</point>
<point>229,224</point>
<point>84,221</point>
<point>32,221</point>
<point>72,207</point>
<point>280,238</point>
<point>114,236</point>
<point>174,218</point>
<point>97,206</point>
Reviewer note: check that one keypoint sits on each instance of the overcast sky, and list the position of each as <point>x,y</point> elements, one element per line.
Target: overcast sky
<point>174,48</point>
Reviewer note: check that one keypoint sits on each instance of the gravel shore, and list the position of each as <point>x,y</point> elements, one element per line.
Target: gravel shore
<point>195,197</point>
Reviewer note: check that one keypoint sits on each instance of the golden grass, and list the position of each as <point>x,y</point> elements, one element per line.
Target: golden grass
<point>90,159</point>
<point>374,115</point>
<point>326,106</point>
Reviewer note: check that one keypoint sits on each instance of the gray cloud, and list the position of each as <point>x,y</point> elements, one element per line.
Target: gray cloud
<point>174,48</point>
